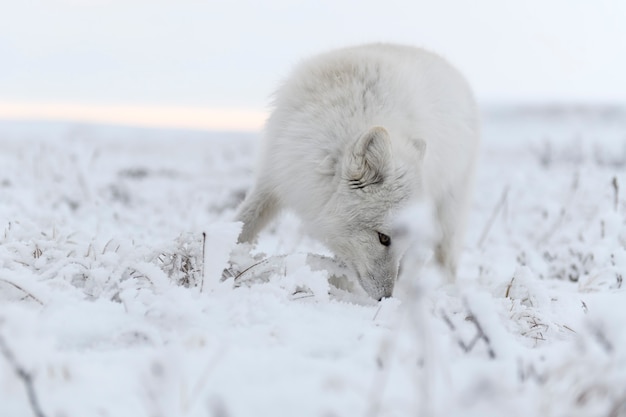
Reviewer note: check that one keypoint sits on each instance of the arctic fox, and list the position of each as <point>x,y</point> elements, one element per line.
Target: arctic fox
<point>355,135</point>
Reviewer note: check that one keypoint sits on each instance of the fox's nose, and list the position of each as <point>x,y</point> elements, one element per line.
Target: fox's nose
<point>386,294</point>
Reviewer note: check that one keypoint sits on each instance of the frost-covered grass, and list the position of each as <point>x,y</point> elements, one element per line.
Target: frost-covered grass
<point>113,242</point>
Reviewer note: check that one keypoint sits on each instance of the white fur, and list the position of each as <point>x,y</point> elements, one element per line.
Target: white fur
<point>356,134</point>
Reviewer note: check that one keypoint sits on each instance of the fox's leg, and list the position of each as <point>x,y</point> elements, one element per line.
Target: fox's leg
<point>452,213</point>
<point>256,211</point>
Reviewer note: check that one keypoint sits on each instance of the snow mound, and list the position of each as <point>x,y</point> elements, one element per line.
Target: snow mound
<point>123,292</point>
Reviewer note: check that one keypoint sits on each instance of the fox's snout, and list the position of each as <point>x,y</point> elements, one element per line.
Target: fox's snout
<point>377,287</point>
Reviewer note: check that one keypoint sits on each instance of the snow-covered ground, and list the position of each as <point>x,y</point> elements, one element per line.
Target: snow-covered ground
<point>111,302</point>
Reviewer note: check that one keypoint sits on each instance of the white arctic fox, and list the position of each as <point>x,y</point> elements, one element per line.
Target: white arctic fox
<point>358,133</point>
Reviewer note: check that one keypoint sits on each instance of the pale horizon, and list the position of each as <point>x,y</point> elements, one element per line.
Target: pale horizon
<point>212,119</point>
<point>207,65</point>
<point>152,116</point>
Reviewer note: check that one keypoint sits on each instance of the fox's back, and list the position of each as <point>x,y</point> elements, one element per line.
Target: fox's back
<point>331,99</point>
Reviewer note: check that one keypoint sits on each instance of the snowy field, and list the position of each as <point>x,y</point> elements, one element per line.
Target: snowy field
<point>111,302</point>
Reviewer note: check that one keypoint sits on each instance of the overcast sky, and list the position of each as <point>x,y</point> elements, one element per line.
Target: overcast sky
<point>230,54</point>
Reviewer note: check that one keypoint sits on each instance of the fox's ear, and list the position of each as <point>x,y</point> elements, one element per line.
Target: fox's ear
<point>369,161</point>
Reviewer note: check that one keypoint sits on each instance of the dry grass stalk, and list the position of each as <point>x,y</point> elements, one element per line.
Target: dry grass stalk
<point>28,294</point>
<point>499,206</point>
<point>24,376</point>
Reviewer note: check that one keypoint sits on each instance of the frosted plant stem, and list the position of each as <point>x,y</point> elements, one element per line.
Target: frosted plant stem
<point>615,185</point>
<point>203,260</point>
<point>24,376</point>
<point>429,379</point>
<point>494,215</point>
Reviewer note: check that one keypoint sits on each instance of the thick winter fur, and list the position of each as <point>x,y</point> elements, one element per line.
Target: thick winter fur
<point>355,135</point>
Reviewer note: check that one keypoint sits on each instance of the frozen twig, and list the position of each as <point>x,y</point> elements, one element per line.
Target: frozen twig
<point>24,376</point>
<point>480,334</point>
<point>104,249</point>
<point>494,215</point>
<point>564,210</point>
<point>203,259</point>
<point>602,339</point>
<point>28,294</point>
<point>529,372</point>
<point>242,273</point>
<point>508,287</point>
<point>618,407</point>
<point>615,193</point>
<point>200,384</point>
<point>554,227</point>
<point>382,378</point>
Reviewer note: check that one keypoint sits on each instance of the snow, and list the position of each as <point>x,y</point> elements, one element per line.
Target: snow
<point>113,242</point>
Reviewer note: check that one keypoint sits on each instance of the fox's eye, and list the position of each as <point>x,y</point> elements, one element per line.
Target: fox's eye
<point>384,239</point>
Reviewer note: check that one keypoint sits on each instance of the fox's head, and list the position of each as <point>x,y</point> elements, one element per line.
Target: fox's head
<point>375,182</point>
